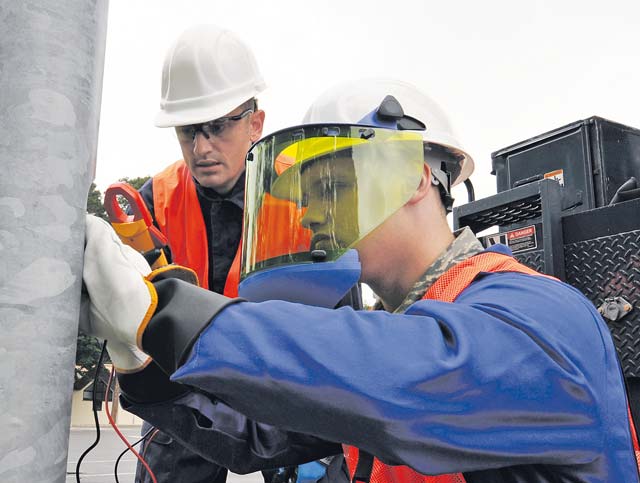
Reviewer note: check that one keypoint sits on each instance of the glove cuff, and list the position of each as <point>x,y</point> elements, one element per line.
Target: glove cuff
<point>149,385</point>
<point>153,304</point>
<point>182,313</point>
<point>126,358</point>
<point>174,271</point>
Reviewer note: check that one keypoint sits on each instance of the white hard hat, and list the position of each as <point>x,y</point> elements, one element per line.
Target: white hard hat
<point>350,102</point>
<point>207,73</point>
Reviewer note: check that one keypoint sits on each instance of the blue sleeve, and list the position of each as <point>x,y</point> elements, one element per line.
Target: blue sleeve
<point>518,369</point>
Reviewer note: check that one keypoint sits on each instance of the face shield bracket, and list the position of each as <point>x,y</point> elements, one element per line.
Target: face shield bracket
<point>389,114</point>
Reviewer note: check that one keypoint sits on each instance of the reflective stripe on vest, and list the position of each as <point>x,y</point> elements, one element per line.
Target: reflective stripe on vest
<point>446,289</point>
<point>179,216</point>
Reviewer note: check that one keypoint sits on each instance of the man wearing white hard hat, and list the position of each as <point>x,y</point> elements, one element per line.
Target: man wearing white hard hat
<point>210,80</point>
<point>479,369</point>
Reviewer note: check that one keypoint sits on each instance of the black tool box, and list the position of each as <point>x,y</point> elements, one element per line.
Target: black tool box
<point>592,157</point>
<point>558,209</point>
<point>597,251</point>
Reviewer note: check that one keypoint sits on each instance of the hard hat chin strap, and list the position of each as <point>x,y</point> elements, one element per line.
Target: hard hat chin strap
<point>447,199</point>
<point>442,180</point>
<point>439,161</point>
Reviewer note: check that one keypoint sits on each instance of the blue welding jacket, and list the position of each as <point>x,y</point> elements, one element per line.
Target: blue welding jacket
<point>517,381</point>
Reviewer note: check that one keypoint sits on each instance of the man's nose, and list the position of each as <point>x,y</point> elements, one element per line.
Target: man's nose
<point>202,144</point>
<point>314,216</point>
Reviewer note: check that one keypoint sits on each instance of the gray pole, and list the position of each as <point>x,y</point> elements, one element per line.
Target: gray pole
<point>51,63</point>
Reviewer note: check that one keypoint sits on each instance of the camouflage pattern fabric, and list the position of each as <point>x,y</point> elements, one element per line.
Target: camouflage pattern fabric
<point>464,246</point>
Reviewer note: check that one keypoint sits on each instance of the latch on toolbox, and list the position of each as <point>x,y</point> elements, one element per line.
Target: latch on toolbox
<point>614,308</point>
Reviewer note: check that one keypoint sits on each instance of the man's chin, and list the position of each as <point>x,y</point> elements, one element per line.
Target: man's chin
<point>213,181</point>
<point>219,180</point>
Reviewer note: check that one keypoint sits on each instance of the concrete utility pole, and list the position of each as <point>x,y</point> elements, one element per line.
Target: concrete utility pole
<point>51,63</point>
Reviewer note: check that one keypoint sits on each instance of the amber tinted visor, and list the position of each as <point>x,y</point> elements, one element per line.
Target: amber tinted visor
<point>313,192</point>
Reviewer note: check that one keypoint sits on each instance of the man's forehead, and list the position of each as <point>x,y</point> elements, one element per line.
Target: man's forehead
<point>332,166</point>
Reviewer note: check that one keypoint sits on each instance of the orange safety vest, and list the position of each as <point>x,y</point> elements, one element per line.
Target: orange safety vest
<point>179,217</point>
<point>279,225</point>
<point>446,289</point>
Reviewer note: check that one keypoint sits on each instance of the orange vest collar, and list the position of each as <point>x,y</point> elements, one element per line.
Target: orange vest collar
<point>179,216</point>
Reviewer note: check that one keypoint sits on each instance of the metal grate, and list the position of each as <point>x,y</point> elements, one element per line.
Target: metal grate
<point>534,260</point>
<point>605,267</point>
<point>507,214</point>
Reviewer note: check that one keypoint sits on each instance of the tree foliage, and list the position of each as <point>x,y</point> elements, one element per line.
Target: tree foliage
<point>87,353</point>
<point>135,182</point>
<point>94,203</point>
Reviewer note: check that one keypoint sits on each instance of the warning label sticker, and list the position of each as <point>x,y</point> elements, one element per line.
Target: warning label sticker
<point>522,239</point>
<point>518,240</point>
<point>557,174</point>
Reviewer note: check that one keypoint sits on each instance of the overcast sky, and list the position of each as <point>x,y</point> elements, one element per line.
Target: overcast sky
<point>503,70</point>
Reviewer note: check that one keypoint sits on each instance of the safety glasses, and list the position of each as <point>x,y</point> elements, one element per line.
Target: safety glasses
<point>217,127</point>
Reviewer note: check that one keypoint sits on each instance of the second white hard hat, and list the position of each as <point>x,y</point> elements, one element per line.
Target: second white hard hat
<point>349,102</point>
<point>208,72</point>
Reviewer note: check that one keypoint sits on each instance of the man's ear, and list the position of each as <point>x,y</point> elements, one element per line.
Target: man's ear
<point>423,188</point>
<point>256,125</point>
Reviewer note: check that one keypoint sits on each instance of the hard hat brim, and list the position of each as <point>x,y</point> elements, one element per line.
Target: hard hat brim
<point>196,111</point>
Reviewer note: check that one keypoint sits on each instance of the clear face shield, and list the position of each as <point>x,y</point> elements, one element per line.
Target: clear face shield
<point>315,191</point>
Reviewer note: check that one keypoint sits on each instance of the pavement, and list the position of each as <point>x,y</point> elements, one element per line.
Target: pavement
<point>98,465</point>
